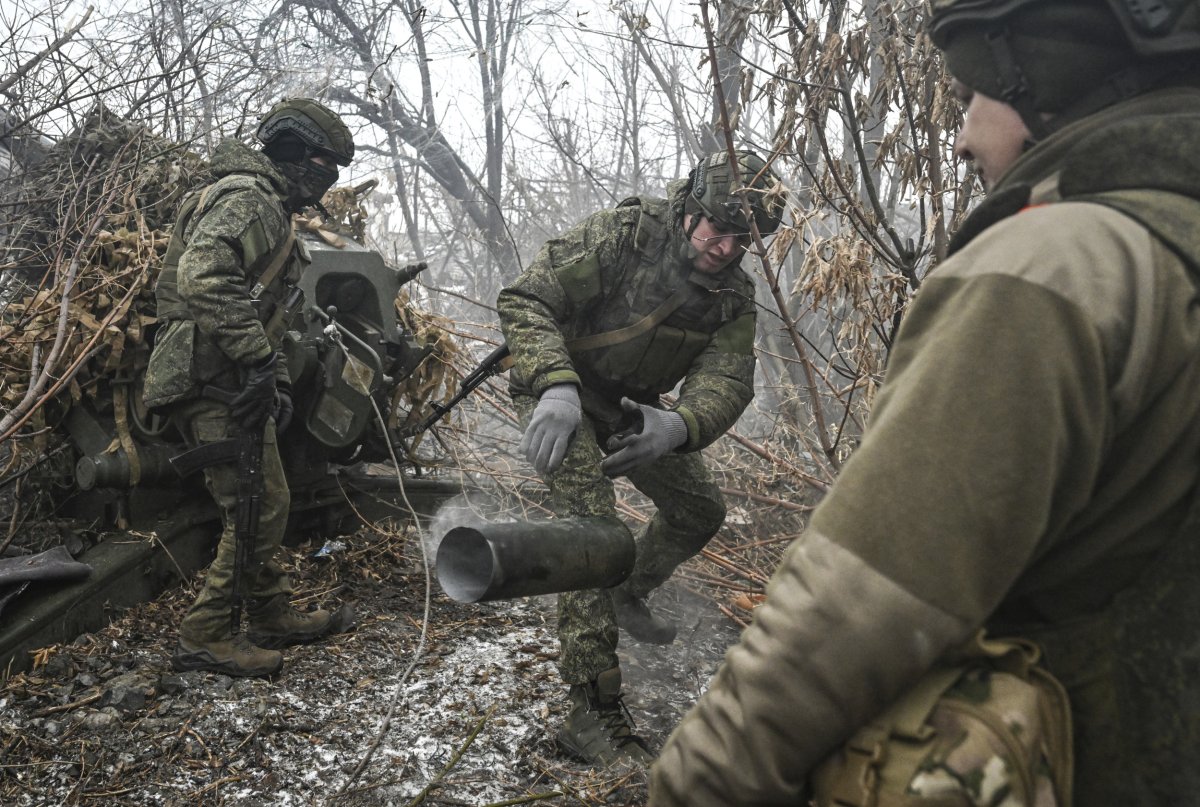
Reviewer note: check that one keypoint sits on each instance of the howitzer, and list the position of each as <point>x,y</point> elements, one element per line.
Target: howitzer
<point>496,363</point>
<point>524,558</point>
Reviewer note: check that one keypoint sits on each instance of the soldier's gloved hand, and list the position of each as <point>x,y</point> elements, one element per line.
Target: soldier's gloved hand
<point>254,404</point>
<point>283,407</point>
<point>551,428</point>
<point>661,432</point>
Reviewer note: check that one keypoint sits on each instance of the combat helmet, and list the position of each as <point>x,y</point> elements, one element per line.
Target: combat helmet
<point>1056,61</point>
<point>315,124</point>
<point>713,191</point>
<point>292,133</point>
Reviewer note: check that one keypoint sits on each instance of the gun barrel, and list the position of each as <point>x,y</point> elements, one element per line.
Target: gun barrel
<point>409,272</point>
<point>525,558</point>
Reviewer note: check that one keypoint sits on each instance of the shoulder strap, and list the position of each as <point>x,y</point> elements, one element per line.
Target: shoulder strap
<point>651,320</point>
<point>277,261</point>
<point>196,203</point>
<point>651,230</point>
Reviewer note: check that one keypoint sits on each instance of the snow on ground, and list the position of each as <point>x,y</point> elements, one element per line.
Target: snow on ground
<point>106,721</point>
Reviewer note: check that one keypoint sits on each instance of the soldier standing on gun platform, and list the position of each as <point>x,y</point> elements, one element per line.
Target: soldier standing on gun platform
<point>231,262</point>
<point>608,316</point>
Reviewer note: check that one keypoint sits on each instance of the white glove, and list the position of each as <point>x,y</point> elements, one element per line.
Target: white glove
<point>660,432</point>
<point>551,428</point>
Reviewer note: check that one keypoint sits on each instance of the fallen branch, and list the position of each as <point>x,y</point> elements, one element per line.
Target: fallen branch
<point>66,707</point>
<point>437,780</point>
<point>761,451</point>
<point>758,497</point>
<point>729,613</point>
<point>752,576</point>
<point>525,799</point>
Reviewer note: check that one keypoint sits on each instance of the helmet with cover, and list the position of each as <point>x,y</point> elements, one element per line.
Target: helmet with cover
<point>313,123</point>
<point>716,191</point>
<point>1056,61</point>
<point>295,131</point>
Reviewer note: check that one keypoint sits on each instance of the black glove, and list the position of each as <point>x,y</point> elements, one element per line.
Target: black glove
<point>283,407</point>
<point>254,404</point>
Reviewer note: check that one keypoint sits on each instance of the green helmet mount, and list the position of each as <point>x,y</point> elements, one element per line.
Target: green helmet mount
<point>716,191</point>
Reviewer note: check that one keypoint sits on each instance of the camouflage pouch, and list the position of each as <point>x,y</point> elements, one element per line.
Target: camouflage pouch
<point>991,728</point>
<point>169,374</point>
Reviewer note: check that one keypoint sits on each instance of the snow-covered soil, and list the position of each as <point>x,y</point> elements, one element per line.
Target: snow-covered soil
<point>106,721</point>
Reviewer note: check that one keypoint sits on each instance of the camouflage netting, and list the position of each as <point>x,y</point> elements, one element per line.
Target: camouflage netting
<point>85,231</point>
<point>435,381</point>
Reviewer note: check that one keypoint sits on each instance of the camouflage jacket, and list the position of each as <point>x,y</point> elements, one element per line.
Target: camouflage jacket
<point>573,317</point>
<point>1027,466</point>
<point>228,234</point>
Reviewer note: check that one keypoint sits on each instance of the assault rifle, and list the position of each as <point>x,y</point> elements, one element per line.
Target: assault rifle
<point>245,529</point>
<point>496,363</point>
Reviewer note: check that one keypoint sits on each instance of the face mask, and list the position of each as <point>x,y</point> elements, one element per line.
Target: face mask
<point>308,181</point>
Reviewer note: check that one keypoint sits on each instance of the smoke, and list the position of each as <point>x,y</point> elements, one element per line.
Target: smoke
<point>472,508</point>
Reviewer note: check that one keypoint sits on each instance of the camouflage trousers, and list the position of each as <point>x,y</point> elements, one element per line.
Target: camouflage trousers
<point>203,421</point>
<point>690,510</point>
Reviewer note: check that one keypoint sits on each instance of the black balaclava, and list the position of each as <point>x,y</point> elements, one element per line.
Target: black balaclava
<point>307,180</point>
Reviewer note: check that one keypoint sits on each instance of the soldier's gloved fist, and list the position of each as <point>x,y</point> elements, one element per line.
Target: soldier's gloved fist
<point>661,431</point>
<point>255,403</point>
<point>283,407</point>
<point>551,428</point>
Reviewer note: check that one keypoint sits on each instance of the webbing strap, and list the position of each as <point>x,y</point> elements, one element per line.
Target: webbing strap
<point>203,195</point>
<point>277,261</point>
<point>643,325</point>
<point>272,271</point>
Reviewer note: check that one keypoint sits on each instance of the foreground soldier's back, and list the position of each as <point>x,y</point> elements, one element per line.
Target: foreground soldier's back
<point>1035,448</point>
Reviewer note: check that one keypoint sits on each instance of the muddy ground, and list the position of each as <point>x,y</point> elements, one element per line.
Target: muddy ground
<point>106,721</point>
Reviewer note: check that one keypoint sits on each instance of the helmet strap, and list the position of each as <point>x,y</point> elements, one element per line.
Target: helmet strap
<point>286,148</point>
<point>686,250</point>
<point>1015,90</point>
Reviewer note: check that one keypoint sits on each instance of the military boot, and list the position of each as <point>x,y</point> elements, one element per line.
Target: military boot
<point>635,618</point>
<point>597,729</point>
<point>234,656</point>
<point>275,623</point>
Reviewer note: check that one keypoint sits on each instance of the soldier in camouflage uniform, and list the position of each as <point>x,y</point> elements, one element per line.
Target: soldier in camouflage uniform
<point>231,261</point>
<point>1032,461</point>
<point>609,316</point>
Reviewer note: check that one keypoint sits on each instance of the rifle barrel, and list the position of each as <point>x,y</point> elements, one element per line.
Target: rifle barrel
<point>493,365</point>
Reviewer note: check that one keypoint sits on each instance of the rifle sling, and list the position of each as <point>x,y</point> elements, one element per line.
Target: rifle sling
<point>629,332</point>
<point>272,271</point>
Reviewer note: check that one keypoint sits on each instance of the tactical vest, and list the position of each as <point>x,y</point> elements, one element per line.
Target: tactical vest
<point>183,361</point>
<point>640,338</point>
<point>1131,669</point>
